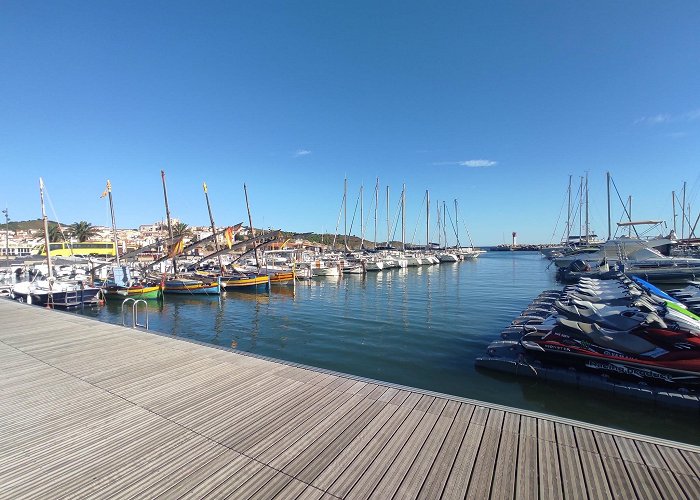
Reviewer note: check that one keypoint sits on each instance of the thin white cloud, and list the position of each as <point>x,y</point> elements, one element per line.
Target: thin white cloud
<point>655,119</point>
<point>478,163</point>
<point>677,135</point>
<point>302,152</point>
<point>692,115</point>
<point>468,163</point>
<point>661,118</point>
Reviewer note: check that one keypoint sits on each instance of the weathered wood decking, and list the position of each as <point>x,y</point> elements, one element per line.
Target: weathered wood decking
<point>89,409</point>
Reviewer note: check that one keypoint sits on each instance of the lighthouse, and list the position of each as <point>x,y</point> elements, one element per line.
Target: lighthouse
<point>515,239</point>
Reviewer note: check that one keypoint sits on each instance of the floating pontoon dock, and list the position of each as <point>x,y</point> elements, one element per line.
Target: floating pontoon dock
<point>89,409</point>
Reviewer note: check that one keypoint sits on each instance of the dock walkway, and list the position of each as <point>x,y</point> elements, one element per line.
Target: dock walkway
<point>89,409</point>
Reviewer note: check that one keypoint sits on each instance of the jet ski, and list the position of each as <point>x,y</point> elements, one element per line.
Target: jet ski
<point>652,355</point>
<point>638,313</point>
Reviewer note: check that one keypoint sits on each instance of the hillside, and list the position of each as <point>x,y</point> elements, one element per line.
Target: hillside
<point>29,225</point>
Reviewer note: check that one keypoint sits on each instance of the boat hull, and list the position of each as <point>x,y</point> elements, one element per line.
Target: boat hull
<point>190,287</point>
<point>64,299</point>
<point>246,283</point>
<point>142,292</point>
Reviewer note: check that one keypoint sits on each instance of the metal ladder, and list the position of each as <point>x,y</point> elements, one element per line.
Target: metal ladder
<point>135,312</point>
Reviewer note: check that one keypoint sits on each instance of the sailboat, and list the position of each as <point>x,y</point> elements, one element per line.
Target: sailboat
<point>181,284</point>
<point>52,292</point>
<point>122,286</point>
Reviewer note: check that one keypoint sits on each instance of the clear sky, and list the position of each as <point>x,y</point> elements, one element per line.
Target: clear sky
<point>494,103</point>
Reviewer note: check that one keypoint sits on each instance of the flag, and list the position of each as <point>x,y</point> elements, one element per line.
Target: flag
<point>107,189</point>
<point>204,185</point>
<point>228,234</point>
<point>176,248</point>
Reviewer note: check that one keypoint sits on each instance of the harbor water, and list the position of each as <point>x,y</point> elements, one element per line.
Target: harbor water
<point>421,327</point>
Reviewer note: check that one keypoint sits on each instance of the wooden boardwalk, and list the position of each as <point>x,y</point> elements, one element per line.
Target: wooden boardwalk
<point>89,409</point>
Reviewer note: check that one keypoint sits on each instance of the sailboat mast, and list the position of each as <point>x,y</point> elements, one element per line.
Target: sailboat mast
<point>46,230</point>
<point>252,229</point>
<point>403,218</point>
<point>568,217</point>
<point>587,225</point>
<point>387,217</point>
<point>683,214</point>
<point>114,222</point>
<point>167,215</point>
<point>362,218</point>
<point>213,226</point>
<point>580,210</point>
<point>457,227</point>
<point>609,215</point>
<point>345,212</point>
<point>629,212</point>
<point>673,202</point>
<point>427,220</point>
<point>444,221</point>
<point>376,206</point>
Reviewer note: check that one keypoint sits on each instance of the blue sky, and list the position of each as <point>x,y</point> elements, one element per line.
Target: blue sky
<point>492,103</point>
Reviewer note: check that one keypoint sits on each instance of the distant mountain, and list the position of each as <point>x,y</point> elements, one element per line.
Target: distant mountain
<point>33,225</point>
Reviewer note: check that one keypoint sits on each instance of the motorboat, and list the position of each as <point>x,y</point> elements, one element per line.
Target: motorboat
<point>612,251</point>
<point>55,293</point>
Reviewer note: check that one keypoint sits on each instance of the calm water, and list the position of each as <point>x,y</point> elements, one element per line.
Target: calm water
<point>420,327</point>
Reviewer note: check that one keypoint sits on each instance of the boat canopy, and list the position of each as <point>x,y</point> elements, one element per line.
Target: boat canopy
<point>641,222</point>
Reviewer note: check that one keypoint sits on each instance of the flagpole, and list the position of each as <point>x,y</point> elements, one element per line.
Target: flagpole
<point>213,227</point>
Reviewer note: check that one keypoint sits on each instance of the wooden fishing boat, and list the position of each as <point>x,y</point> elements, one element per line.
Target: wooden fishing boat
<point>246,282</point>
<point>134,291</point>
<point>281,278</point>
<point>191,286</point>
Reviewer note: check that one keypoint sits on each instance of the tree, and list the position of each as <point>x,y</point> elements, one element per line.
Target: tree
<point>82,230</point>
<point>54,232</point>
<point>180,229</point>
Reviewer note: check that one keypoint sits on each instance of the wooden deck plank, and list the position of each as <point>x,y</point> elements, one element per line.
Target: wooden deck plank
<point>374,473</point>
<point>693,459</point>
<point>482,473</point>
<point>527,474</point>
<point>227,469</point>
<point>458,480</point>
<point>308,464</point>
<point>690,485</point>
<point>675,461</point>
<point>341,481</point>
<point>505,471</point>
<point>618,477</point>
<point>595,475</point>
<point>348,412</point>
<point>572,477</point>
<point>325,468</point>
<point>397,469</point>
<point>606,444</point>
<point>89,409</point>
<point>548,465</point>
<point>642,480</point>
<point>417,474</point>
<point>668,485</point>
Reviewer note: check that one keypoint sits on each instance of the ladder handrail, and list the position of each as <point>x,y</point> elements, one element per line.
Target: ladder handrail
<point>135,313</point>
<point>124,302</point>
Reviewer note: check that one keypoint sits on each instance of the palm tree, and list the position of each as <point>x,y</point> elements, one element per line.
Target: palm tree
<point>82,230</point>
<point>180,229</point>
<point>55,233</point>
